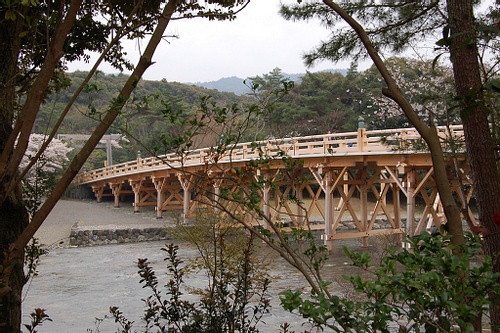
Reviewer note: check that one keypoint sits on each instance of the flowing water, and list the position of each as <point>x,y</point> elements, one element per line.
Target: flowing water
<point>77,285</point>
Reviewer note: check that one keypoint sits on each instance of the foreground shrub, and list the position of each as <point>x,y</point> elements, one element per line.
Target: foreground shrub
<point>431,288</point>
<point>235,299</point>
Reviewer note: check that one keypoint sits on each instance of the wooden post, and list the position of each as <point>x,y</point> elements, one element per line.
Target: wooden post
<point>361,134</point>
<point>266,209</point>
<point>136,187</point>
<point>159,183</point>
<point>186,185</point>
<point>410,202</point>
<point>216,199</point>
<point>396,202</point>
<point>116,188</point>
<point>363,189</point>
<point>98,191</point>
<point>299,208</point>
<point>327,187</point>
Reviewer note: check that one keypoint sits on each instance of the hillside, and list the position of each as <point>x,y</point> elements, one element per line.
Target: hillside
<point>151,115</point>
<point>160,113</point>
<point>237,86</point>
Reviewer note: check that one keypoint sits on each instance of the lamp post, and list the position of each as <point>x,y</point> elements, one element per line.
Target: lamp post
<point>361,122</point>
<point>361,133</point>
<point>139,158</point>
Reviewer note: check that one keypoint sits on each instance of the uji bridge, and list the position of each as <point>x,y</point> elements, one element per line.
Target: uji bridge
<point>382,170</point>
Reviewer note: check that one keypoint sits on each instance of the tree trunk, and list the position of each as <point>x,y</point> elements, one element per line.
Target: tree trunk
<point>428,133</point>
<point>15,231</point>
<point>13,219</point>
<point>13,215</point>
<point>478,138</point>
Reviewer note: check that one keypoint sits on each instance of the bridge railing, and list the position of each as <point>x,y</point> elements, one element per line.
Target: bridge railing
<point>361,141</point>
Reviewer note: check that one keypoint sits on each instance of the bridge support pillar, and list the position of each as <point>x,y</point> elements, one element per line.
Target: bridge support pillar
<point>216,186</point>
<point>98,191</point>
<point>328,189</point>
<point>116,189</point>
<point>186,187</point>
<point>159,183</point>
<point>301,217</point>
<point>266,208</point>
<point>410,202</point>
<point>363,189</point>
<point>396,192</point>
<point>136,187</point>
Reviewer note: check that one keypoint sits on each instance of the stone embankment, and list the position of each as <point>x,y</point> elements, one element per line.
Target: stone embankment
<point>115,234</point>
<point>87,223</point>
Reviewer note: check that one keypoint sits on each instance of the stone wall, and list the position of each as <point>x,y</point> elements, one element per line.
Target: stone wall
<point>113,234</point>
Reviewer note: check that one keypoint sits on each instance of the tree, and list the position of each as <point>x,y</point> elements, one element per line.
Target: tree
<point>427,85</point>
<point>41,179</point>
<point>464,56</point>
<point>38,38</point>
<point>397,26</point>
<point>267,91</point>
<point>325,95</point>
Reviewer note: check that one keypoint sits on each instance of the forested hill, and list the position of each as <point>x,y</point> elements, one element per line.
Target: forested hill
<point>148,98</point>
<point>317,103</point>
<point>147,117</point>
<point>237,85</point>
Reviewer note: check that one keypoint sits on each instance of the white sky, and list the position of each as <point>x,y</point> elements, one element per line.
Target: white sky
<point>253,44</point>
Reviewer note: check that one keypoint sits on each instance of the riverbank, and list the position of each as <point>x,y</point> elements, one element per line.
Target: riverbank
<point>89,223</point>
<point>86,215</point>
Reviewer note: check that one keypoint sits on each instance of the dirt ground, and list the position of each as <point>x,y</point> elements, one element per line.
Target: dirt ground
<point>55,231</point>
<point>69,213</point>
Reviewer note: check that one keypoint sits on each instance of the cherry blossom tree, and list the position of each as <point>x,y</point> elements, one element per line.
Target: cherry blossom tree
<point>427,86</point>
<point>40,180</point>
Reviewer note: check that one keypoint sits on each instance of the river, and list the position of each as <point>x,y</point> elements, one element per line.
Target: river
<point>77,285</point>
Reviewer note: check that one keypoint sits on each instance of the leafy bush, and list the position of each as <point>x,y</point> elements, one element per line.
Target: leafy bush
<point>430,288</point>
<point>235,299</point>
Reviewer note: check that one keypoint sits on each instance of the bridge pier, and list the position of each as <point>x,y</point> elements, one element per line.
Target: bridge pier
<point>216,199</point>
<point>410,202</point>
<point>328,190</point>
<point>363,193</point>
<point>98,192</point>
<point>136,187</point>
<point>159,183</point>
<point>115,189</point>
<point>186,184</point>
<point>266,208</point>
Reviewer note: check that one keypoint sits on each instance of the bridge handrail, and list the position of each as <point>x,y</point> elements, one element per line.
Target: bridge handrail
<point>361,141</point>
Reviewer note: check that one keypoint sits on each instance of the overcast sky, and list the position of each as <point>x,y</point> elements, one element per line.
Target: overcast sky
<point>253,44</point>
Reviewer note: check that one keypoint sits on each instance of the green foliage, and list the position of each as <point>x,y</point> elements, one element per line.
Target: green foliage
<point>426,289</point>
<point>168,115</point>
<point>156,114</point>
<point>225,306</point>
<point>391,25</point>
<point>235,298</point>
<point>32,254</point>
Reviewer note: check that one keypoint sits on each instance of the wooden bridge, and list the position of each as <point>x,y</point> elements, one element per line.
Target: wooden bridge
<point>383,170</point>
